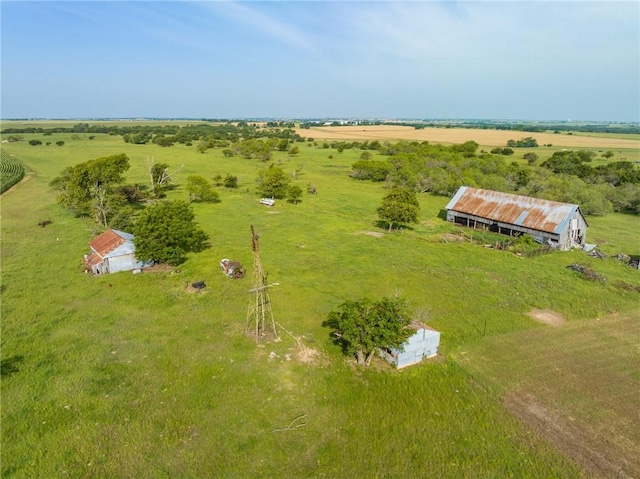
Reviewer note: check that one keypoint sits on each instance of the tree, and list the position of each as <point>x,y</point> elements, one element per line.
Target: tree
<point>273,182</point>
<point>35,142</point>
<point>294,151</point>
<point>230,181</point>
<point>468,148</point>
<point>166,231</point>
<point>159,176</point>
<point>531,158</point>
<point>362,327</point>
<point>88,188</point>
<point>399,206</point>
<point>60,143</point>
<point>201,191</point>
<point>294,193</point>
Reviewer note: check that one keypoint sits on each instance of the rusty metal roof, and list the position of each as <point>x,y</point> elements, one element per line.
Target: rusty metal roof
<point>524,211</point>
<point>107,242</point>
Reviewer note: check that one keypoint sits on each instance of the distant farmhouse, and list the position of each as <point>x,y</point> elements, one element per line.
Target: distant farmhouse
<point>421,345</point>
<point>111,252</point>
<point>559,225</point>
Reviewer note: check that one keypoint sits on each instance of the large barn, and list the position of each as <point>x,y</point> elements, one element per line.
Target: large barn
<point>559,225</point>
<point>112,251</point>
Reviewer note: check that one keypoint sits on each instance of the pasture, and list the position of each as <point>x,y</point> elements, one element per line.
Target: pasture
<point>136,376</point>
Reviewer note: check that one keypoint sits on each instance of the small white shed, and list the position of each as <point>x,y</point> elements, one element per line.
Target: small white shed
<point>424,343</point>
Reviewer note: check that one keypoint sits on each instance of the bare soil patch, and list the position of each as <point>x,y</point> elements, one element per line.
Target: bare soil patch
<point>158,268</point>
<point>375,234</point>
<point>312,357</point>
<point>547,316</point>
<point>460,135</point>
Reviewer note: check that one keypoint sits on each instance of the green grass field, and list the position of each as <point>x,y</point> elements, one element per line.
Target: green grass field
<point>135,376</point>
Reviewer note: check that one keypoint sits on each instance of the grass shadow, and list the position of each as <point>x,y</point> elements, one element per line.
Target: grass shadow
<point>9,366</point>
<point>384,225</point>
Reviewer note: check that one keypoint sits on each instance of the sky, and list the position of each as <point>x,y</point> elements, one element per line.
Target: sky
<point>514,60</point>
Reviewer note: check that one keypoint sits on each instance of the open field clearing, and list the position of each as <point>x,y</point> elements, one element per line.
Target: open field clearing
<point>140,376</point>
<point>460,135</point>
<point>575,384</point>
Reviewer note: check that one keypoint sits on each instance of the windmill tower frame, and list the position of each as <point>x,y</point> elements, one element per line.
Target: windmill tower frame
<point>260,320</point>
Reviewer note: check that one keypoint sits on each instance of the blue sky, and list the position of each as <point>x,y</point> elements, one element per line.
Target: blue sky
<point>539,60</point>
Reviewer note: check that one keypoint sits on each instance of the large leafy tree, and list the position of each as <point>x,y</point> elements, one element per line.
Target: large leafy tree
<point>200,190</point>
<point>166,231</point>
<point>88,188</point>
<point>399,206</point>
<point>273,182</point>
<point>364,326</point>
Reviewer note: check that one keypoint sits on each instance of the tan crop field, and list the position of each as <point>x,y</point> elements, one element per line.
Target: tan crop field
<point>460,135</point>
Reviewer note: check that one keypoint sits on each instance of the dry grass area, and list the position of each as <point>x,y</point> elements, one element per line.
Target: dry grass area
<point>577,386</point>
<point>460,135</point>
<point>375,234</point>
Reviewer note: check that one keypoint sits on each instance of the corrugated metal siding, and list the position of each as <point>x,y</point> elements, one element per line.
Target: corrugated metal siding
<point>121,263</point>
<point>106,242</point>
<point>423,344</point>
<point>532,213</point>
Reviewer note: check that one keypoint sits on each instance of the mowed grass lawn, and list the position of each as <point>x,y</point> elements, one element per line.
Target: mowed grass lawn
<point>135,376</point>
<point>579,383</point>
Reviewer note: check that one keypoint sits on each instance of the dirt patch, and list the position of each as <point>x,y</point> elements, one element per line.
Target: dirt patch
<point>159,268</point>
<point>375,234</point>
<point>311,356</point>
<point>191,289</point>
<point>575,441</point>
<point>547,316</point>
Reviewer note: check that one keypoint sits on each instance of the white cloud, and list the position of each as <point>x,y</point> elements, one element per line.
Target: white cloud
<point>259,19</point>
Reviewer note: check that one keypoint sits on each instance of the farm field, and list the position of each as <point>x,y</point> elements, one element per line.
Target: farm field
<point>630,146</point>
<point>138,376</point>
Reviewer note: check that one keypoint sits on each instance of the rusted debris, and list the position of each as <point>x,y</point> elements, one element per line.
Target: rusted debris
<point>626,286</point>
<point>586,272</point>
<point>596,254</point>
<point>232,269</point>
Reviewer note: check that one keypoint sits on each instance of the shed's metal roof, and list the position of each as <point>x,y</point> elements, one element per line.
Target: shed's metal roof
<point>532,213</point>
<point>109,241</point>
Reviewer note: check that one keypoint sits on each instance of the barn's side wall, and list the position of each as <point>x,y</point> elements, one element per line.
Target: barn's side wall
<point>574,235</point>
<point>123,263</point>
<point>500,227</point>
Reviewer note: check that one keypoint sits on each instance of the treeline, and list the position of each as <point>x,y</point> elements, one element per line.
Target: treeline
<point>168,135</point>
<point>535,127</point>
<point>441,170</point>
